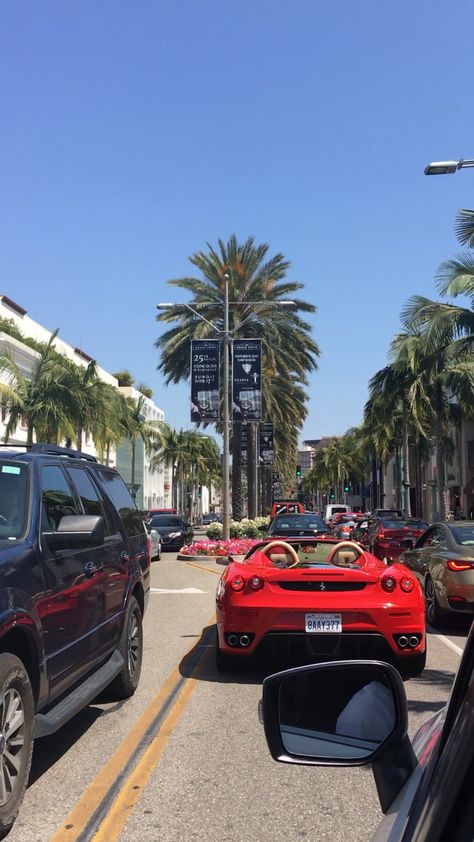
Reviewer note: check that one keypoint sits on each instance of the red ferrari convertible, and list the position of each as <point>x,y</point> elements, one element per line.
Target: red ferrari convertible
<point>325,598</point>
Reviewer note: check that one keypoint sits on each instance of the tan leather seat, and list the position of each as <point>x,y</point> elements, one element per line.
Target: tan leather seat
<point>280,558</point>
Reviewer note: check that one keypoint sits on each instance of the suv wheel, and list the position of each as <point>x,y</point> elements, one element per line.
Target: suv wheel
<point>16,738</point>
<point>131,648</point>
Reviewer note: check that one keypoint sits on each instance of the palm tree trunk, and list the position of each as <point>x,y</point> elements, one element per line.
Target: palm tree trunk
<point>251,470</point>
<point>441,469</point>
<point>237,470</point>
<point>406,474</point>
<point>132,479</point>
<point>173,487</point>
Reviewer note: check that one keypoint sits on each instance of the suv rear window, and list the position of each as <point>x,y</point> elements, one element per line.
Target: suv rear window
<point>123,501</point>
<point>14,497</point>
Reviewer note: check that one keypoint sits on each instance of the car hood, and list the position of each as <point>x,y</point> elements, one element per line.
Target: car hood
<point>166,530</point>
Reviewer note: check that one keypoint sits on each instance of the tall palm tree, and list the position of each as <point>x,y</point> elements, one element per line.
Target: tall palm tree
<point>42,397</point>
<point>135,426</point>
<point>191,455</point>
<point>441,370</point>
<point>288,348</point>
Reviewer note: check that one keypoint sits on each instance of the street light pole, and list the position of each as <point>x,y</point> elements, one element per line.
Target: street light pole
<point>226,447</point>
<point>257,306</point>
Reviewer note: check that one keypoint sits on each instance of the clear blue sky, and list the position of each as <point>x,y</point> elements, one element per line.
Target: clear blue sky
<point>134,132</point>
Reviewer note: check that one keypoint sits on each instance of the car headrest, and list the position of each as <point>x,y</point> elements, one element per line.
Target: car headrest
<point>344,557</point>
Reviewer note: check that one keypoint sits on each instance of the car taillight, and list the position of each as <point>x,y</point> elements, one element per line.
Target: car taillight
<point>458,566</point>
<point>237,583</point>
<point>381,534</point>
<point>389,583</point>
<point>407,584</point>
<point>255,582</point>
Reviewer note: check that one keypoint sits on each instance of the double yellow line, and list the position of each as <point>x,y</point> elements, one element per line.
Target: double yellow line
<point>106,805</point>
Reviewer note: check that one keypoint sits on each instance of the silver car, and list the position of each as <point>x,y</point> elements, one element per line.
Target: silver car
<point>443,560</point>
<point>155,541</point>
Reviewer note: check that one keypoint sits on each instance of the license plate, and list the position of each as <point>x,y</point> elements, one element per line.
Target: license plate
<point>323,623</point>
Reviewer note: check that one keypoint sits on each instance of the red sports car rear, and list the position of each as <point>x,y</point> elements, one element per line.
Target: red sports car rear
<point>324,600</point>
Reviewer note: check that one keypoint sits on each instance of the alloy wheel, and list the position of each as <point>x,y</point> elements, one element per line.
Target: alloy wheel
<point>430,599</point>
<point>12,743</point>
<point>133,645</point>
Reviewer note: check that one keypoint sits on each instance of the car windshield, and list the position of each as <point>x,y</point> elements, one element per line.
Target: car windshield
<point>313,523</point>
<point>14,498</point>
<point>463,535</point>
<point>165,520</point>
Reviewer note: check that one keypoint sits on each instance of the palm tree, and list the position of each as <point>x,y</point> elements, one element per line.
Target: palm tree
<point>135,426</point>
<point>441,372</point>
<point>288,348</point>
<point>43,398</point>
<point>191,455</point>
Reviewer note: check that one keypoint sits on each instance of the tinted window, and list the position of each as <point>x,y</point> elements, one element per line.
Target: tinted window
<point>166,520</point>
<point>392,523</point>
<point>123,502</point>
<point>312,522</point>
<point>89,496</point>
<point>463,535</point>
<point>416,524</point>
<point>14,497</point>
<point>56,496</point>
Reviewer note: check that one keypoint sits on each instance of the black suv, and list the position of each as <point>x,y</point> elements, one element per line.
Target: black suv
<point>74,584</point>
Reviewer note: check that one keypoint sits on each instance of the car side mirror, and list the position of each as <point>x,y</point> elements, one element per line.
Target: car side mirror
<point>76,532</point>
<point>347,713</point>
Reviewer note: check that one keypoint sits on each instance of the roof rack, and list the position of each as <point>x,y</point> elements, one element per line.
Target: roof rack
<point>55,449</point>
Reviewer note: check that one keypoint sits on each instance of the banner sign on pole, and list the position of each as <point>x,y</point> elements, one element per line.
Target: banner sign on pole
<point>205,379</point>
<point>266,444</point>
<point>247,380</point>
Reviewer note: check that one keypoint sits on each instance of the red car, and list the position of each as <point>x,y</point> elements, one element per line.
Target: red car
<point>319,598</point>
<point>385,535</point>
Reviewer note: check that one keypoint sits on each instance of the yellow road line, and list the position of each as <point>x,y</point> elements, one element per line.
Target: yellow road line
<point>76,822</point>
<point>134,787</point>
<point>200,567</point>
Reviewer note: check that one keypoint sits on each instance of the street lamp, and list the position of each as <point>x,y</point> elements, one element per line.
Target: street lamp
<point>257,306</point>
<point>447,167</point>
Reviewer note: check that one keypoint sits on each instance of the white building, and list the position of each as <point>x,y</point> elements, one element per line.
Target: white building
<point>154,486</point>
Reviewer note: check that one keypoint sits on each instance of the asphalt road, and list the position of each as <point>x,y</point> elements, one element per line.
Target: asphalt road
<point>186,758</point>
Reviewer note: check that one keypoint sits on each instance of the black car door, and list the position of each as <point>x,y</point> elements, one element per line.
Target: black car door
<point>72,609</point>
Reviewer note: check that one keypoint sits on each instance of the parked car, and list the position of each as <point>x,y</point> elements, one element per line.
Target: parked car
<point>175,531</point>
<point>443,561</point>
<point>155,542</point>
<point>75,564</point>
<point>290,524</point>
<point>385,535</point>
<point>211,517</point>
<point>424,786</point>
<point>319,598</point>
<point>149,513</point>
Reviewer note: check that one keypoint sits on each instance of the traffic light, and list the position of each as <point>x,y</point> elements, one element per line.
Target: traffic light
<point>347,486</point>
<point>298,471</point>
<point>332,495</point>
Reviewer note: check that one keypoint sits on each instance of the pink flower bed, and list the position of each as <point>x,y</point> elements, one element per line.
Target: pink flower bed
<point>236,546</point>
